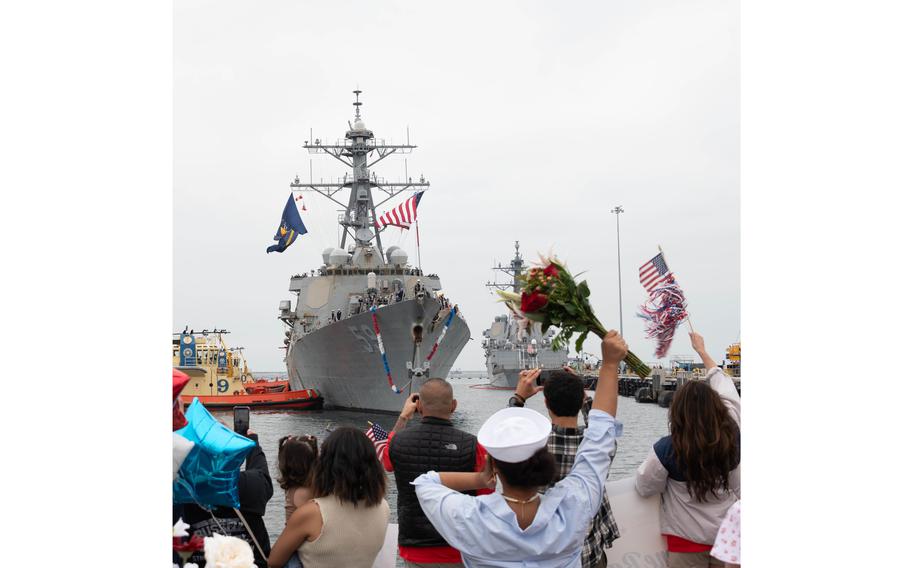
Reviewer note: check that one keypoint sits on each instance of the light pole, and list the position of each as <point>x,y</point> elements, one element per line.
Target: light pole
<point>618,209</point>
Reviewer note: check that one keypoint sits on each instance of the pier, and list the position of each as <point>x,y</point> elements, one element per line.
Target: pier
<point>661,385</point>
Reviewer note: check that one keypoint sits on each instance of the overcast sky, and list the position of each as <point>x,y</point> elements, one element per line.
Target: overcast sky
<point>532,121</point>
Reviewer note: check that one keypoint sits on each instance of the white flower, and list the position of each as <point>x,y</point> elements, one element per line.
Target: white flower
<point>180,528</point>
<point>228,552</point>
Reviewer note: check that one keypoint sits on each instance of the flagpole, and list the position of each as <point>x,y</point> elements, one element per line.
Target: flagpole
<point>618,209</point>
<point>688,321</point>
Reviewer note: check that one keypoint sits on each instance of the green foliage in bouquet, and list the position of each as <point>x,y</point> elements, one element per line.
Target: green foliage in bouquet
<point>550,296</point>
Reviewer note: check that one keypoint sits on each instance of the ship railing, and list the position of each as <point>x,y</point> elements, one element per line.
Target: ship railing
<point>382,271</point>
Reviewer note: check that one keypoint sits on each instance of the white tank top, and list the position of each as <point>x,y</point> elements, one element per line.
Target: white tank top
<point>351,535</point>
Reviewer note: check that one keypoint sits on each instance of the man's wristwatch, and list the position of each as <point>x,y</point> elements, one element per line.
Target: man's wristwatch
<point>516,400</point>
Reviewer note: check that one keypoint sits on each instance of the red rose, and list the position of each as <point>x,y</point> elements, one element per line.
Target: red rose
<point>192,545</point>
<point>551,270</point>
<point>533,302</point>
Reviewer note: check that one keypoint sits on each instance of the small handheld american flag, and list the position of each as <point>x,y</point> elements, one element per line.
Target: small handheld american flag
<point>379,437</point>
<point>666,305</point>
<point>654,272</point>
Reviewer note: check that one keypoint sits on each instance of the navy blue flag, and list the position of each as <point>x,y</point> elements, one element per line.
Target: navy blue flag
<point>291,226</point>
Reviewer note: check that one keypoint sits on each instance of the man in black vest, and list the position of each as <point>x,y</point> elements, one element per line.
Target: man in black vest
<point>431,443</point>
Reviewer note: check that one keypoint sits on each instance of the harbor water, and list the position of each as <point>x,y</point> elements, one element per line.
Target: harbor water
<point>643,425</point>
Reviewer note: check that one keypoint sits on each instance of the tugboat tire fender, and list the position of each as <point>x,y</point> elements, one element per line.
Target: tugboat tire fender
<point>643,394</point>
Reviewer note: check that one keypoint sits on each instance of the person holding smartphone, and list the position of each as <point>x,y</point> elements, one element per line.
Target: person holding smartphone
<point>415,447</point>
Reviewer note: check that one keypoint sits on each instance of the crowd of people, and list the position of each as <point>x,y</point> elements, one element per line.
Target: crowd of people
<point>551,507</point>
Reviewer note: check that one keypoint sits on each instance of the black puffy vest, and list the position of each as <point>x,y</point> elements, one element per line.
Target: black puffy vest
<point>432,444</point>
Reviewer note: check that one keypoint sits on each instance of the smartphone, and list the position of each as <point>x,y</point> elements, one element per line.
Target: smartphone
<point>543,376</point>
<point>241,419</point>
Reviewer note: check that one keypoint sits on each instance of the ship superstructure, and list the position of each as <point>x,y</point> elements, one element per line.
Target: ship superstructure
<point>513,343</point>
<point>367,328</point>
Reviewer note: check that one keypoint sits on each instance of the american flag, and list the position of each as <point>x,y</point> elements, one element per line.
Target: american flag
<point>402,215</point>
<point>654,272</point>
<point>379,437</point>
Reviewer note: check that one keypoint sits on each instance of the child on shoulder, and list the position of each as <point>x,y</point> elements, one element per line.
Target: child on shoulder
<point>297,457</point>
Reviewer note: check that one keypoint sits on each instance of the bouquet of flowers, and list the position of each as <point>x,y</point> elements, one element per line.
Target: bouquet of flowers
<point>550,296</point>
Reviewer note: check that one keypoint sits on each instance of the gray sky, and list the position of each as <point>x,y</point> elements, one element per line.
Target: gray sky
<point>532,121</point>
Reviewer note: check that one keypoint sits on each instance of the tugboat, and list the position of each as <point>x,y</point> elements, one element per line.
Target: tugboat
<point>220,377</point>
<point>512,343</point>
<point>366,328</point>
<point>732,361</point>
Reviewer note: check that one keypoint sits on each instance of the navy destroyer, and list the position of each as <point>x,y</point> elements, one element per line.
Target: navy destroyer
<point>514,343</point>
<point>367,328</point>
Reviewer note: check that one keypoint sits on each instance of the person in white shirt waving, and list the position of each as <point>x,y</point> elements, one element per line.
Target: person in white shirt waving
<point>520,526</point>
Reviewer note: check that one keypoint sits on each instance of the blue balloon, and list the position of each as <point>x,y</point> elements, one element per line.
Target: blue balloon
<point>210,472</point>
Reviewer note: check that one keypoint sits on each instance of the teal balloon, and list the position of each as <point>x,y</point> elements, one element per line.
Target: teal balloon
<point>210,473</point>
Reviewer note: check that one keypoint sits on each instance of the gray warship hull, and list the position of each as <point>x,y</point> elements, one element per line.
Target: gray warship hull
<point>504,366</point>
<point>343,361</point>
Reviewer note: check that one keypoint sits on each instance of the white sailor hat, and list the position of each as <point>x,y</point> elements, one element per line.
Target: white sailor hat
<point>514,434</point>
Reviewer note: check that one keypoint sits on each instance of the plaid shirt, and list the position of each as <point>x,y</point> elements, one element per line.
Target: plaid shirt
<point>563,444</point>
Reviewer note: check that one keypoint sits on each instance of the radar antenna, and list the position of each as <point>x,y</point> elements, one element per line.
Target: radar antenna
<point>360,151</point>
<point>514,270</point>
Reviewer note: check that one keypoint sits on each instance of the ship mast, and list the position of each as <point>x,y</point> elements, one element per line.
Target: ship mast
<point>359,151</point>
<point>515,268</point>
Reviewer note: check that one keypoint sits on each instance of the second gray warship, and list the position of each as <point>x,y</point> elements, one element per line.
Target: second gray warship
<point>513,343</point>
<point>367,328</point>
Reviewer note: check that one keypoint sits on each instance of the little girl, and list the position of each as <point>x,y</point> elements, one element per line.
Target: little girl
<point>296,462</point>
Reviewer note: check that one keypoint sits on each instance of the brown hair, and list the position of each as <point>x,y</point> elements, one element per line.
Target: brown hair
<point>705,439</point>
<point>349,469</point>
<point>297,457</point>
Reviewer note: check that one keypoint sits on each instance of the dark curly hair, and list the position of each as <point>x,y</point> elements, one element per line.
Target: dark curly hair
<point>297,457</point>
<point>349,469</point>
<point>564,393</point>
<point>537,471</point>
<point>705,439</point>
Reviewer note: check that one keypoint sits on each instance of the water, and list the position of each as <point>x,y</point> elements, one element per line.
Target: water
<point>643,425</point>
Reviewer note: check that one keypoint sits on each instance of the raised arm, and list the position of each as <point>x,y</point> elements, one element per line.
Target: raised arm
<point>407,412</point>
<point>698,344</point>
<point>718,380</point>
<point>254,485</point>
<point>613,349</point>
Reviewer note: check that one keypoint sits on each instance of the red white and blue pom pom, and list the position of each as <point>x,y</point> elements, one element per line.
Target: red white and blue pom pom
<point>664,311</point>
